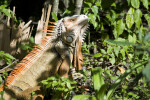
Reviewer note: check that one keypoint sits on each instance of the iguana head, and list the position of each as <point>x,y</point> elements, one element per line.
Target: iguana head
<point>72,28</point>
<point>71,32</point>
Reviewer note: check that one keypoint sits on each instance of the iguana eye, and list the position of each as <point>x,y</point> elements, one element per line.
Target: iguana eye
<point>72,20</point>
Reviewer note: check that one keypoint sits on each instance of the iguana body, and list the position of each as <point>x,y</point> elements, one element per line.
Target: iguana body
<point>53,55</point>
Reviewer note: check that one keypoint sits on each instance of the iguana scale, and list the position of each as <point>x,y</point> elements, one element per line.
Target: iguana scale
<point>54,55</point>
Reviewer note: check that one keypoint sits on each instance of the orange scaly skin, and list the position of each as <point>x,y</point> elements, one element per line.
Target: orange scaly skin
<point>27,61</point>
<point>54,54</point>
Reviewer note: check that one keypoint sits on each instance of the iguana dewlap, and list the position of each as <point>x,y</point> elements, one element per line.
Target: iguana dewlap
<point>53,55</point>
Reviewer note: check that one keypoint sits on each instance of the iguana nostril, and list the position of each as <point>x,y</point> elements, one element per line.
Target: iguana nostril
<point>69,39</point>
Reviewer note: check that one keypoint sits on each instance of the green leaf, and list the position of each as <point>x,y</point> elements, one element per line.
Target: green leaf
<point>88,3</point>
<point>120,27</point>
<point>97,78</point>
<point>101,93</point>
<point>145,3</point>
<point>54,16</point>
<point>116,50</point>
<point>5,11</point>
<point>83,97</point>
<point>132,39</point>
<point>97,55</point>
<point>130,18</point>
<point>137,17</point>
<point>115,31</point>
<point>1,79</point>
<point>92,19</point>
<point>121,78</point>
<point>9,56</point>
<point>31,39</point>
<point>112,59</point>
<point>147,17</point>
<point>135,3</point>
<point>98,3</point>
<point>129,2</point>
<point>95,10</point>
<point>103,51</point>
<point>109,49</point>
<point>146,73</point>
<point>123,53</point>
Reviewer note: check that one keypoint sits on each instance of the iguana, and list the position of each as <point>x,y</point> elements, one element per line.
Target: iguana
<point>58,49</point>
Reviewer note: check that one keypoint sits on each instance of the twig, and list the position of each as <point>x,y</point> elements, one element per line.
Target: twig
<point>5,68</point>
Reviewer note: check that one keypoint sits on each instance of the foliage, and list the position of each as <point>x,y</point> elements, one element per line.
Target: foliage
<point>60,87</point>
<point>54,16</point>
<point>6,57</point>
<point>122,57</point>
<point>120,67</point>
<point>3,5</point>
<point>28,45</point>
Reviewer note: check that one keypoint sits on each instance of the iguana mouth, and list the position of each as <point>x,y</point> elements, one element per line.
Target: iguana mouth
<point>84,26</point>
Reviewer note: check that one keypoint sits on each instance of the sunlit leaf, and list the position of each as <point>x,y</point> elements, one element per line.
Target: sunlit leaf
<point>83,97</point>
<point>147,17</point>
<point>137,17</point>
<point>112,59</point>
<point>130,18</point>
<point>97,55</point>
<point>54,16</point>
<point>5,11</point>
<point>97,78</point>
<point>95,10</point>
<point>92,19</point>
<point>135,3</point>
<point>131,38</point>
<point>145,3</point>
<point>120,27</point>
<point>116,50</point>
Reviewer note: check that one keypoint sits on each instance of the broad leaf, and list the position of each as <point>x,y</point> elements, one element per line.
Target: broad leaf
<point>145,3</point>
<point>97,78</point>
<point>120,27</point>
<point>83,97</point>
<point>112,59</point>
<point>5,11</point>
<point>129,2</point>
<point>95,10</point>
<point>97,55</point>
<point>101,95</point>
<point>116,50</point>
<point>92,19</point>
<point>146,73</point>
<point>130,18</point>
<point>131,38</point>
<point>135,3</point>
<point>137,17</point>
<point>54,16</point>
<point>147,17</point>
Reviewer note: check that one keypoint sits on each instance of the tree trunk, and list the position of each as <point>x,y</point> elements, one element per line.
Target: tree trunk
<point>55,6</point>
<point>78,7</point>
<point>66,3</point>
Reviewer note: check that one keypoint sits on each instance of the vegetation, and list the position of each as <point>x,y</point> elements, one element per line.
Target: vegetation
<point>116,52</point>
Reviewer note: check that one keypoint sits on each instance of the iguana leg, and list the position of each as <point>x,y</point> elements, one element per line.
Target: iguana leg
<point>15,92</point>
<point>26,94</point>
